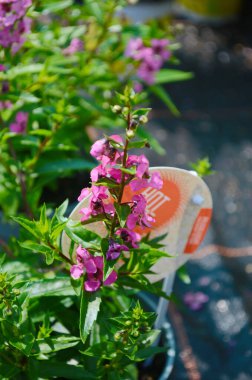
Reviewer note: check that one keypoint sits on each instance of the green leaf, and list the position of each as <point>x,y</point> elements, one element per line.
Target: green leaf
<point>43,223</point>
<point>162,94</point>
<point>82,236</point>
<point>183,275</point>
<point>172,75</point>
<point>32,246</point>
<point>202,167</point>
<point>138,144</point>
<point>59,286</point>
<point>62,166</point>
<point>141,112</point>
<point>48,345</point>
<point>51,369</point>
<point>89,309</point>
<point>22,70</point>
<point>107,182</point>
<point>123,212</point>
<point>28,225</point>
<point>56,6</point>
<point>148,352</point>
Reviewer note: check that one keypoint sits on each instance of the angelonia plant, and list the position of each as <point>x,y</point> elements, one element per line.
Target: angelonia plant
<point>61,62</point>
<point>83,317</point>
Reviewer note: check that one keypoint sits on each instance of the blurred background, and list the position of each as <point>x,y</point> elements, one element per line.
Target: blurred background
<point>212,320</point>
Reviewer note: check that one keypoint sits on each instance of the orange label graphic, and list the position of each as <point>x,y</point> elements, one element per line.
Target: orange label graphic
<point>199,230</point>
<point>161,204</point>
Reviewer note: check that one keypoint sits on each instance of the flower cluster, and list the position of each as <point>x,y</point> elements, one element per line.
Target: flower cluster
<point>116,170</point>
<point>13,23</point>
<point>20,123</point>
<point>150,58</point>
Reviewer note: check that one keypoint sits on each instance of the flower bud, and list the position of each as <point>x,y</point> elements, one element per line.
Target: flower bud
<point>125,109</point>
<point>117,336</point>
<point>128,323</point>
<point>143,119</point>
<point>116,109</point>
<point>130,134</point>
<point>133,124</point>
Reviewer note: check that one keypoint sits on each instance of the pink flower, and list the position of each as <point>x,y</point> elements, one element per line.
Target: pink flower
<point>96,204</point>
<point>155,181</point>
<point>104,151</point>
<point>115,250</point>
<point>138,214</point>
<point>141,163</point>
<point>195,301</point>
<point>159,47</point>
<point>150,58</point>
<point>84,262</point>
<point>134,47</point>
<point>129,237</point>
<point>13,23</point>
<point>75,45</point>
<point>20,124</point>
<point>92,266</point>
<point>84,193</point>
<point>95,280</point>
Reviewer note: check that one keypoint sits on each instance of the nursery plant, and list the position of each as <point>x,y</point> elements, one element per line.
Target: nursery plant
<point>78,315</point>
<point>60,65</point>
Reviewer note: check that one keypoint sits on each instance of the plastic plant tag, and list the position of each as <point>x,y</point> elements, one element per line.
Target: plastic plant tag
<point>182,209</point>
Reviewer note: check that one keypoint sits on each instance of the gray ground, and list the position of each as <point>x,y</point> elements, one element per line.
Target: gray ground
<point>215,342</point>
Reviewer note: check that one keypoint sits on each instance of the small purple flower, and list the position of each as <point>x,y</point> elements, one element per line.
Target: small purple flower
<point>20,124</point>
<point>115,250</point>
<point>141,163</point>
<point>134,47</point>
<point>195,301</point>
<point>129,237</point>
<point>96,205</point>
<point>92,266</point>
<point>13,23</point>
<point>159,47</point>
<point>104,151</point>
<point>155,181</point>
<point>149,58</point>
<point>138,213</point>
<point>75,45</point>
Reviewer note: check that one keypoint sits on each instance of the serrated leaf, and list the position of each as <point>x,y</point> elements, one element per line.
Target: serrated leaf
<point>59,286</point>
<point>29,225</point>
<point>82,236</point>
<point>32,246</point>
<point>48,345</point>
<point>89,309</point>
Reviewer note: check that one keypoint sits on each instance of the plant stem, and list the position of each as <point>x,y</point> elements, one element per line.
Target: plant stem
<point>6,248</point>
<point>121,190</point>
<point>22,182</point>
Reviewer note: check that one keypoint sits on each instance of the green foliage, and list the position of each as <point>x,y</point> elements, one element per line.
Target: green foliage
<point>47,233</point>
<point>202,167</point>
<point>49,326</point>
